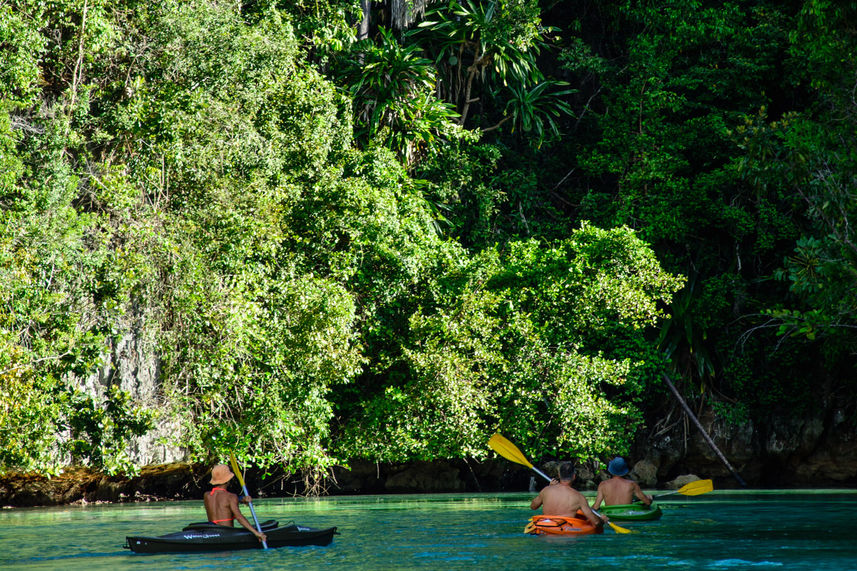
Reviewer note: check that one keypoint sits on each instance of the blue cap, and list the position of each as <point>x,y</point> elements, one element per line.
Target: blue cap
<point>618,467</point>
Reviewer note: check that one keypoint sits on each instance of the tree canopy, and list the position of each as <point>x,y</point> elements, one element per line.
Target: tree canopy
<point>487,215</point>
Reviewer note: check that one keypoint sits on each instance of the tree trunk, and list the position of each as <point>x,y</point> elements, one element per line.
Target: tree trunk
<point>702,430</point>
<point>363,27</point>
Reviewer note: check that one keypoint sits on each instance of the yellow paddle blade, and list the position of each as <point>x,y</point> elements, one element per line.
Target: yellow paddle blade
<point>619,529</point>
<point>696,488</point>
<point>614,527</point>
<point>235,469</point>
<point>507,450</point>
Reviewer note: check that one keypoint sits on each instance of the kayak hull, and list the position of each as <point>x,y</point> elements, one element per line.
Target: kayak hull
<point>558,525</point>
<point>201,537</point>
<point>632,512</point>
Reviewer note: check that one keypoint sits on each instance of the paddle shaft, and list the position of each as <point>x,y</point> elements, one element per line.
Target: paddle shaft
<point>244,491</point>
<point>542,474</point>
<point>549,479</point>
<point>696,488</point>
<point>509,451</point>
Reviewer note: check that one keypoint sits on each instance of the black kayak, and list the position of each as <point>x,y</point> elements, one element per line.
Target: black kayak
<point>207,536</point>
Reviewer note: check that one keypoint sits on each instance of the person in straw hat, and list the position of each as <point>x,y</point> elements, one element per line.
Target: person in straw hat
<point>619,490</point>
<point>221,505</point>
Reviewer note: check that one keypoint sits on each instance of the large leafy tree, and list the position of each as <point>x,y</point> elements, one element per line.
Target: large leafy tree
<point>545,342</point>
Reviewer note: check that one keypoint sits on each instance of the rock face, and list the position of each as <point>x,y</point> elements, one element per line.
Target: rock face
<point>181,481</point>
<point>645,472</point>
<point>131,364</point>
<point>786,452</point>
<point>789,454</point>
<point>80,485</point>
<point>442,476</point>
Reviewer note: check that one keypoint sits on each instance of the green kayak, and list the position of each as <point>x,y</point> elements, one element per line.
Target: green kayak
<point>631,512</point>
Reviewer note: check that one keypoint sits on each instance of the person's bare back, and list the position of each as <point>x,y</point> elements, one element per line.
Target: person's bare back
<point>560,499</point>
<point>619,491</point>
<point>221,505</point>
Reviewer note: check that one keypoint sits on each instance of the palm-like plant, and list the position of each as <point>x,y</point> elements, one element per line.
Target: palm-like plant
<point>392,87</point>
<point>380,76</point>
<point>470,39</point>
<point>536,108</point>
<point>493,45</point>
<point>422,123</point>
<point>684,341</point>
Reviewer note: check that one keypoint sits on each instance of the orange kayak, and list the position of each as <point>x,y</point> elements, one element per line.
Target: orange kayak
<point>559,525</point>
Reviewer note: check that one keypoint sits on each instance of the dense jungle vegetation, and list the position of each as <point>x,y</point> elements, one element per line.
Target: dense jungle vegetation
<point>385,230</point>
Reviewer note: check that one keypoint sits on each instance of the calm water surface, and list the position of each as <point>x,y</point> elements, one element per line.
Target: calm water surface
<point>804,529</point>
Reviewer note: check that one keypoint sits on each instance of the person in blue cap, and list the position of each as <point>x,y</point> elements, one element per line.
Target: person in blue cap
<point>619,490</point>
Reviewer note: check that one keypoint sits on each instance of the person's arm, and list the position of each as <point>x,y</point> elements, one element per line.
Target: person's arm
<point>537,502</point>
<point>647,500</point>
<point>590,515</point>
<point>239,517</point>
<point>600,497</point>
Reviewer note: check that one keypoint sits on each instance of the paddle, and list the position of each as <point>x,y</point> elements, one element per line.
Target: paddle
<point>696,488</point>
<point>509,451</point>
<point>244,490</point>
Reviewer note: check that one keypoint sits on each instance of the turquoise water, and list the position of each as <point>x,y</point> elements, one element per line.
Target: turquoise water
<point>720,530</point>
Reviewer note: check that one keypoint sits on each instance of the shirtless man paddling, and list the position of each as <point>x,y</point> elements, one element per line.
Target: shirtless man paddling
<point>618,490</point>
<point>221,506</point>
<point>560,499</point>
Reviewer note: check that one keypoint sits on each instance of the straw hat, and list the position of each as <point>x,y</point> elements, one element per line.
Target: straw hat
<point>221,474</point>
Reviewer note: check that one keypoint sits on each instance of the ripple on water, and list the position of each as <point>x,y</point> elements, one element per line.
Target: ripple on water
<point>742,564</point>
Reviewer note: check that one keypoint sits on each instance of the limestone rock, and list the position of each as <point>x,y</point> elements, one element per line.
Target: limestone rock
<point>681,481</point>
<point>645,472</point>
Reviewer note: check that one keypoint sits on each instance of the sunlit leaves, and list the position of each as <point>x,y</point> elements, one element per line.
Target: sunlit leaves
<point>20,47</point>
<point>516,345</point>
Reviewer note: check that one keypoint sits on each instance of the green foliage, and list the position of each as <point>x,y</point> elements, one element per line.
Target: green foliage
<point>29,416</point>
<point>675,136</point>
<point>48,251</point>
<point>539,107</point>
<point>256,365</point>
<point>734,414</point>
<point>594,281</point>
<point>184,172</point>
<point>100,431</point>
<point>20,46</point>
<point>807,155</point>
<point>323,27</point>
<point>252,342</point>
<point>516,346</point>
<point>486,52</point>
<point>462,184</point>
<point>392,87</point>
